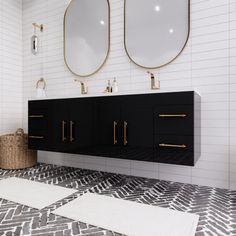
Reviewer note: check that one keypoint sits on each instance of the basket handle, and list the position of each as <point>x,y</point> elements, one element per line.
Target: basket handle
<point>19,132</point>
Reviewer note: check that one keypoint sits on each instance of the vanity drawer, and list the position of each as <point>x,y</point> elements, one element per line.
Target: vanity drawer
<point>173,149</point>
<point>174,119</point>
<point>37,123</point>
<point>37,140</point>
<point>38,116</point>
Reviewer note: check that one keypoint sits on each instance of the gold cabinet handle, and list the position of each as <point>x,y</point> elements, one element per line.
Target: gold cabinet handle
<point>71,131</point>
<point>172,115</point>
<point>172,145</point>
<point>125,133</point>
<point>36,137</point>
<point>36,116</point>
<point>63,138</point>
<point>114,132</point>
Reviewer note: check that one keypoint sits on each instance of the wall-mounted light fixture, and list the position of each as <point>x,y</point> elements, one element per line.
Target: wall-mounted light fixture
<point>40,27</point>
<point>35,40</point>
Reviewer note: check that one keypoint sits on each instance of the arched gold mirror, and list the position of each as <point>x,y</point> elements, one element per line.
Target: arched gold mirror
<point>86,35</point>
<point>156,31</point>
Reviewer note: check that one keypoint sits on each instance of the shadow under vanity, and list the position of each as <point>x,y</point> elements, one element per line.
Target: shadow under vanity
<point>158,127</point>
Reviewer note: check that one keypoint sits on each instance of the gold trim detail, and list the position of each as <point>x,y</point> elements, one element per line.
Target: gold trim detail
<point>109,41</point>
<point>71,131</point>
<point>114,132</point>
<point>125,133</point>
<point>172,145</point>
<point>36,116</point>
<point>172,115</point>
<point>36,137</point>
<point>189,9</point>
<point>63,138</point>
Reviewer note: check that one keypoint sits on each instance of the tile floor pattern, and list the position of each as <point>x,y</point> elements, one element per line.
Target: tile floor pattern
<point>216,207</point>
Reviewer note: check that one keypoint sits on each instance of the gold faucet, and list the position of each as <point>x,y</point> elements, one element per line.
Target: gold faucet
<point>153,81</point>
<point>84,89</point>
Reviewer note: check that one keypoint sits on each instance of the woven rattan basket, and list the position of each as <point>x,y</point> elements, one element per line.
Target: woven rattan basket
<point>14,152</point>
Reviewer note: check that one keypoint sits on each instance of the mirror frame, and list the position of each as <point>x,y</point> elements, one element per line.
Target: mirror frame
<point>165,64</point>
<point>108,40</point>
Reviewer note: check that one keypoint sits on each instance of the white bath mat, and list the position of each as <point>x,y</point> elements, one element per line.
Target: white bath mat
<point>30,193</point>
<point>129,218</point>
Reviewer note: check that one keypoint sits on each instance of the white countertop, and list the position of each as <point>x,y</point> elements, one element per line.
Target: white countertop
<point>113,94</point>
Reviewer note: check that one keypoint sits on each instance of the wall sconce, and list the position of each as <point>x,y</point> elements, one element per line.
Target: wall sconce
<point>40,27</point>
<point>34,38</point>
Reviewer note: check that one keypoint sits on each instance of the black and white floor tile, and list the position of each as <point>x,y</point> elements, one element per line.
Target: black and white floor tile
<point>216,207</point>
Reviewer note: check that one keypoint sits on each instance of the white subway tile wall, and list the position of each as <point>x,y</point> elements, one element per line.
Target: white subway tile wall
<point>207,65</point>
<point>232,94</point>
<point>11,66</point>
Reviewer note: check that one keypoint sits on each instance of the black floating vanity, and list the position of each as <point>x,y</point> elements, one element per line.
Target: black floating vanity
<point>148,127</point>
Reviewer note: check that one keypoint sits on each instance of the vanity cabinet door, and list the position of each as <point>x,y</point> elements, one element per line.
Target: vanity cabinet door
<point>72,126</point>
<point>59,125</point>
<point>82,125</point>
<point>137,130</point>
<point>109,125</point>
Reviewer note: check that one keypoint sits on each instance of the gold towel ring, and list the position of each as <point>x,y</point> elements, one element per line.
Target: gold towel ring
<point>41,80</point>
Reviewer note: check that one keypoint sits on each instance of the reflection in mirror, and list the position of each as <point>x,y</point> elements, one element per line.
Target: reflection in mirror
<point>156,31</point>
<point>86,35</point>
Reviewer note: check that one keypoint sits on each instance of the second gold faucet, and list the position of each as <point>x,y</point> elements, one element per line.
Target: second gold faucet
<point>154,84</point>
<point>84,88</point>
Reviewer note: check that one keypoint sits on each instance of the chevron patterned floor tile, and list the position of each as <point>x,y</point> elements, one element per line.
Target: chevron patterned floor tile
<point>216,207</point>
